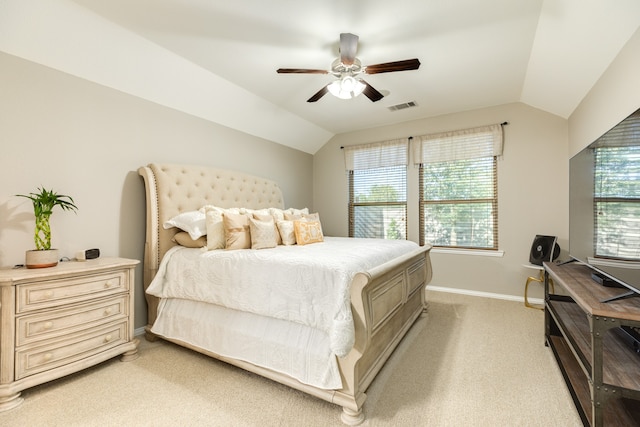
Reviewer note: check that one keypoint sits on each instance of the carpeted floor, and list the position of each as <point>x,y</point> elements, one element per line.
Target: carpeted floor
<point>470,362</point>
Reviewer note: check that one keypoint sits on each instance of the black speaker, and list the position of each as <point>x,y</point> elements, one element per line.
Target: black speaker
<point>544,248</point>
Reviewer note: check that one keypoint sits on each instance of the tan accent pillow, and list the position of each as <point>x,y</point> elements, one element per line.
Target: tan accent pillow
<point>263,233</point>
<point>216,238</point>
<point>269,218</point>
<point>287,232</point>
<point>308,232</point>
<point>183,239</point>
<point>236,231</point>
<point>292,217</point>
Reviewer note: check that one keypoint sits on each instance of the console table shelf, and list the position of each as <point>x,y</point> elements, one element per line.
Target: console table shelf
<point>599,364</point>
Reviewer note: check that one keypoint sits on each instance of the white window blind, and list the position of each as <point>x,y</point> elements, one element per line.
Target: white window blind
<point>458,187</point>
<point>485,141</point>
<point>378,189</point>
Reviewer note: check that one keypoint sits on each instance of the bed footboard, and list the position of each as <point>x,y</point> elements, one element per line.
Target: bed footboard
<point>385,301</point>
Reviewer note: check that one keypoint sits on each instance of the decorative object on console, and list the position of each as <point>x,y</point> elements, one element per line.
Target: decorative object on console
<point>541,249</point>
<point>43,204</point>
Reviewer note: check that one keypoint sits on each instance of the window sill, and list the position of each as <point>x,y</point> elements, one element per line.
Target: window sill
<point>475,252</point>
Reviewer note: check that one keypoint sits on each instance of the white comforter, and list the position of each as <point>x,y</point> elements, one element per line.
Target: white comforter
<point>306,284</point>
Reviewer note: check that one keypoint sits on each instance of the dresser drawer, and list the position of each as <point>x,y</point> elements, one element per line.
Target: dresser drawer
<point>52,354</point>
<point>53,293</point>
<point>54,323</point>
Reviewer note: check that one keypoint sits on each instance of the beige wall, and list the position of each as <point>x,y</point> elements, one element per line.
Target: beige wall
<point>613,97</point>
<point>87,141</point>
<point>532,188</point>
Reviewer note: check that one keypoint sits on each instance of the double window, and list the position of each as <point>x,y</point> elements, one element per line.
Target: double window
<point>458,196</point>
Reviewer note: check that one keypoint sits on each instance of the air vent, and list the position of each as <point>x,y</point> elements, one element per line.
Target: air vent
<point>403,106</point>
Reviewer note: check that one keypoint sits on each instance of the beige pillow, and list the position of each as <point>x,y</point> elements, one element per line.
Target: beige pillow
<point>263,233</point>
<point>312,216</point>
<point>308,232</point>
<point>215,229</point>
<point>271,219</point>
<point>292,217</point>
<point>236,231</point>
<point>287,233</point>
<point>183,239</point>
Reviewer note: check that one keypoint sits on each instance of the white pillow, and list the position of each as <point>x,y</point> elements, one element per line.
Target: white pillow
<point>277,214</point>
<point>294,211</point>
<point>193,222</point>
<point>287,232</point>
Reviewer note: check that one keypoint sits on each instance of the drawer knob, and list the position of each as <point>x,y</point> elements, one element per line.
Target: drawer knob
<point>111,284</point>
<point>48,325</point>
<point>48,357</point>
<point>107,311</point>
<point>108,338</point>
<point>48,294</point>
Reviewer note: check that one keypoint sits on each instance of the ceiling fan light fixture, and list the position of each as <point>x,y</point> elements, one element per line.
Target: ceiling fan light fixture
<point>346,88</point>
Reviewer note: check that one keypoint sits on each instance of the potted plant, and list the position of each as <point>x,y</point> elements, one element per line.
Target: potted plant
<point>43,203</point>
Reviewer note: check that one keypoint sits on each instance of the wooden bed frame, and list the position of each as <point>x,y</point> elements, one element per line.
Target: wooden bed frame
<point>385,301</point>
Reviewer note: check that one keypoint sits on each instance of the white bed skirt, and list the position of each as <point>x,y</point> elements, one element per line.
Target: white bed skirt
<point>290,348</point>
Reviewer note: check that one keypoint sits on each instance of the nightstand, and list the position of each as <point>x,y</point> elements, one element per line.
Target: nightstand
<point>59,320</point>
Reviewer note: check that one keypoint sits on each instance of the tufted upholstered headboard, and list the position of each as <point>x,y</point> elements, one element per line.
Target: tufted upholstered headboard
<point>173,188</point>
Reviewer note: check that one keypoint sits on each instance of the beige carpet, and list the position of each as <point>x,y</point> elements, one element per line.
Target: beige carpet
<point>471,362</point>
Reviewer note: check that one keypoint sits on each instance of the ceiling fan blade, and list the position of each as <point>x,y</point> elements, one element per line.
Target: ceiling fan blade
<point>348,48</point>
<point>371,93</point>
<point>300,71</point>
<point>388,67</point>
<point>319,94</point>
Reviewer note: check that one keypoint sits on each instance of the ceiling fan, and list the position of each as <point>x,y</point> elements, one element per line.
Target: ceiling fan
<point>348,69</point>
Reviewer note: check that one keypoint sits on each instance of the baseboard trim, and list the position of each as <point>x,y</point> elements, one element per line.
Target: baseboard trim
<point>139,331</point>
<point>484,294</point>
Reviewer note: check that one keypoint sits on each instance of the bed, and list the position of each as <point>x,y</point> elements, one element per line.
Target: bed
<point>384,295</point>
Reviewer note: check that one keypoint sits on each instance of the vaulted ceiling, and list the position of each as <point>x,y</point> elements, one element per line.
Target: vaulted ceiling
<point>218,59</point>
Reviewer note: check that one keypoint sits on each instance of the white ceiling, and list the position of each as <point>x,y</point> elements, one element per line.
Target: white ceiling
<point>474,54</point>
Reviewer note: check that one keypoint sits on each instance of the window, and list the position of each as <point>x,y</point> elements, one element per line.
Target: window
<point>458,187</point>
<point>616,202</point>
<point>378,189</point>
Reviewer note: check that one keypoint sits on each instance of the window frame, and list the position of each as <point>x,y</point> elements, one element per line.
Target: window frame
<point>384,159</point>
<point>422,203</point>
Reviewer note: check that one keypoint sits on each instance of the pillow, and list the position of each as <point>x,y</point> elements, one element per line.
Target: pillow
<point>247,211</point>
<point>183,239</point>
<point>263,233</point>
<point>215,229</point>
<point>277,214</point>
<point>287,233</point>
<point>293,211</point>
<point>271,219</point>
<point>193,222</point>
<point>236,231</point>
<point>288,216</point>
<point>308,232</point>
<point>312,216</point>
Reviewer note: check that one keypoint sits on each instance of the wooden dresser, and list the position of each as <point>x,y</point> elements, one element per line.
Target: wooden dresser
<point>600,363</point>
<point>59,320</point>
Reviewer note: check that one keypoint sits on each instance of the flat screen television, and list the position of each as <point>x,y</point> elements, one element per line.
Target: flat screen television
<point>604,206</point>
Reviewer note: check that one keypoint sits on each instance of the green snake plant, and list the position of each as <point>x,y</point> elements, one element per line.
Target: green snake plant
<point>43,204</point>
